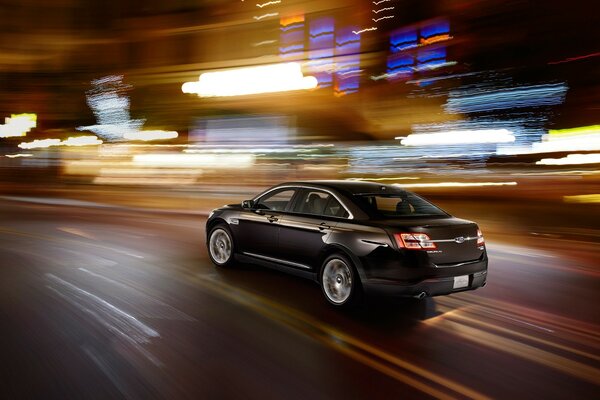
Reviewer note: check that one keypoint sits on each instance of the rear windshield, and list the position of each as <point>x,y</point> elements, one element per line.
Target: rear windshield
<point>404,204</point>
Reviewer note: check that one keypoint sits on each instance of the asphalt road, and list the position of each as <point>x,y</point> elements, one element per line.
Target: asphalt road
<point>123,304</point>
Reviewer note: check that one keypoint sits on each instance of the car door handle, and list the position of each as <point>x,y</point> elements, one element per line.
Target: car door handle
<point>272,218</point>
<point>323,225</point>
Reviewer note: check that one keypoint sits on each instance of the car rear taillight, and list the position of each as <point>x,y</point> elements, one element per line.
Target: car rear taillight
<point>414,241</point>
<point>480,241</point>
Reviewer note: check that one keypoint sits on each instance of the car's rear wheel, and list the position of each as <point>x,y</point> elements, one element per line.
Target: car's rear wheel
<point>339,281</point>
<point>220,246</point>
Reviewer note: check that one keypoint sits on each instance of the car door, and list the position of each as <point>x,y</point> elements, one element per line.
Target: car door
<point>304,230</point>
<point>258,228</point>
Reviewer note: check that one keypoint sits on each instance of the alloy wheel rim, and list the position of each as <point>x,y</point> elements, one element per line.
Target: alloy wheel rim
<point>337,281</point>
<point>220,246</point>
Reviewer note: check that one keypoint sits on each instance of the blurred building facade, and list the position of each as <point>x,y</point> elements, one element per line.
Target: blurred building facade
<point>383,66</point>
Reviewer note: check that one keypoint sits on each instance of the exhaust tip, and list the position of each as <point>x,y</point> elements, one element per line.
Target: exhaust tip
<point>420,296</point>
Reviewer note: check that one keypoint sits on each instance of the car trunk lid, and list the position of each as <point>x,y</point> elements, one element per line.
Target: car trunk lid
<point>455,239</point>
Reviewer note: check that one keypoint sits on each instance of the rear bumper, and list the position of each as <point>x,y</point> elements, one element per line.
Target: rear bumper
<point>431,287</point>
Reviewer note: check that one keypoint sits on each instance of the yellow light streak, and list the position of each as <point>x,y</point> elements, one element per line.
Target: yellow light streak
<point>582,198</point>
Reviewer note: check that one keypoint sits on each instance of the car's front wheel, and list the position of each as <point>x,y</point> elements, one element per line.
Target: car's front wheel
<point>339,281</point>
<point>220,246</point>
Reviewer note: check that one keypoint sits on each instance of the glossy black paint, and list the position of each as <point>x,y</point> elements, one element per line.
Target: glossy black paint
<point>298,242</point>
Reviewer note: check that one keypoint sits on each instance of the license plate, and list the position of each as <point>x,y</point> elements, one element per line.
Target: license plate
<point>460,281</point>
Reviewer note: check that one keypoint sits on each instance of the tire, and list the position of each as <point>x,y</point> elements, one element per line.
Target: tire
<point>220,246</point>
<point>340,282</point>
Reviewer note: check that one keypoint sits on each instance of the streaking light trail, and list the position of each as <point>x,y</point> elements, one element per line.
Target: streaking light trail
<point>566,60</point>
<point>150,135</point>
<point>373,28</point>
<point>72,141</point>
<point>251,80</point>
<point>571,159</point>
<point>382,9</point>
<point>258,18</point>
<point>459,137</point>
<point>501,99</point>
<point>40,144</point>
<point>269,3</point>
<point>195,160</point>
<point>385,17</point>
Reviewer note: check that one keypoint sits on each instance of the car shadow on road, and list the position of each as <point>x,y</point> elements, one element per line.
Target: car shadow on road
<point>297,294</point>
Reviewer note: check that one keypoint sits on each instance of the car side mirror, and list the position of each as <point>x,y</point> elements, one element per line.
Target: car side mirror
<point>248,204</point>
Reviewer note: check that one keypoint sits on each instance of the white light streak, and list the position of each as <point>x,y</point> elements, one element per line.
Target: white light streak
<point>373,28</point>
<point>150,135</point>
<point>381,1</point>
<point>40,144</point>
<point>258,18</point>
<point>431,67</point>
<point>18,125</point>
<point>555,143</point>
<point>81,141</point>
<point>571,159</point>
<point>500,99</point>
<point>459,137</point>
<point>351,73</point>
<point>72,141</point>
<point>379,19</point>
<point>269,3</point>
<point>251,80</point>
<point>383,9</point>
<point>18,155</point>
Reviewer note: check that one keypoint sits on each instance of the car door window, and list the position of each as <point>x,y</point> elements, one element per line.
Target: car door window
<point>316,202</point>
<point>276,200</point>
<point>312,202</point>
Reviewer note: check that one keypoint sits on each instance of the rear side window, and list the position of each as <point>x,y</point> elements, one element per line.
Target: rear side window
<point>276,200</point>
<point>316,202</point>
<point>335,209</point>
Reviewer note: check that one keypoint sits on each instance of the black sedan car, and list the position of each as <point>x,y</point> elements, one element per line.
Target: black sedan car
<point>352,238</point>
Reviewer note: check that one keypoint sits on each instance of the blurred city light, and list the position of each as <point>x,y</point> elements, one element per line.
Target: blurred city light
<point>251,80</point>
<point>40,144</point>
<point>18,125</point>
<point>71,141</point>
<point>571,159</point>
<point>195,160</point>
<point>583,198</point>
<point>18,155</point>
<point>81,141</point>
<point>150,135</point>
<point>125,124</point>
<point>459,137</point>
<point>478,100</point>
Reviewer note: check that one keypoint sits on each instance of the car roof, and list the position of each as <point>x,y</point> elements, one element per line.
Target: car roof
<point>354,187</point>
